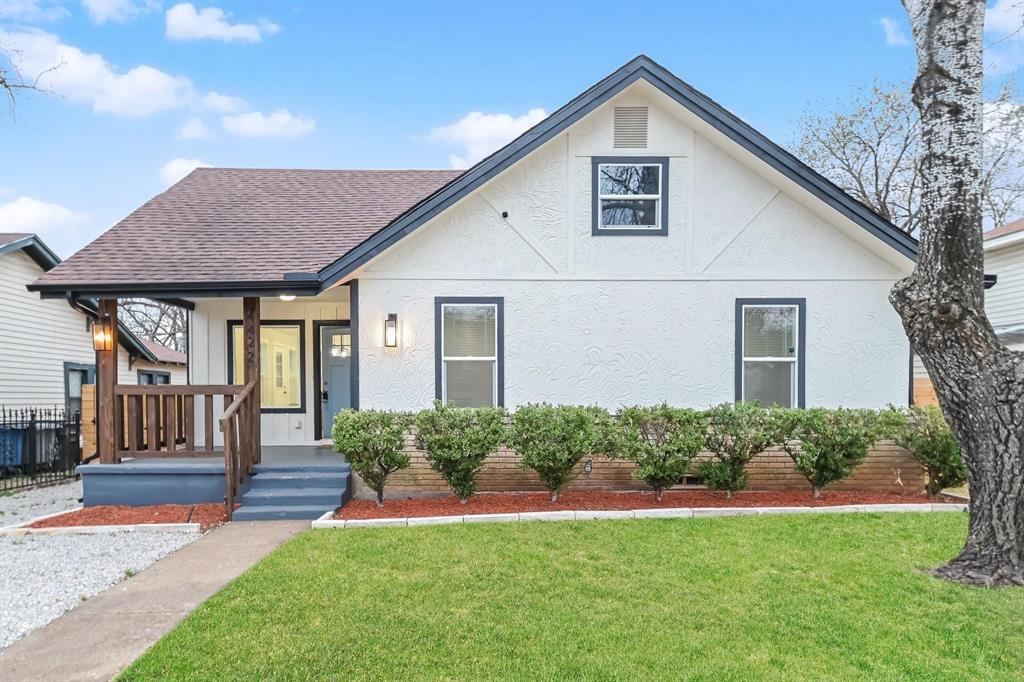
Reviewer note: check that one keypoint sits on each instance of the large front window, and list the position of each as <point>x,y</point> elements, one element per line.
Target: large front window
<point>770,353</point>
<point>281,364</point>
<point>470,352</point>
<point>630,196</point>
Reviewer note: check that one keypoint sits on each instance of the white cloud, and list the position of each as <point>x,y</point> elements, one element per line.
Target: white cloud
<point>194,129</point>
<point>28,214</point>
<point>480,134</point>
<point>894,33</point>
<point>222,104</point>
<point>88,78</point>
<point>32,11</point>
<point>185,22</point>
<point>117,11</point>
<point>1004,37</point>
<point>280,123</point>
<point>176,169</point>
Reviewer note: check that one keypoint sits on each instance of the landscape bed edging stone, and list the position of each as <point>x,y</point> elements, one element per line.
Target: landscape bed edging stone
<point>326,521</point>
<point>96,530</point>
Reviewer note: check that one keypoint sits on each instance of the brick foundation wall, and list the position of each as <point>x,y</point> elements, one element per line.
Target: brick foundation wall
<point>888,468</point>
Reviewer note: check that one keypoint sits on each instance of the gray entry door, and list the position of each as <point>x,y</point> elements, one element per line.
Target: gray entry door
<point>335,373</point>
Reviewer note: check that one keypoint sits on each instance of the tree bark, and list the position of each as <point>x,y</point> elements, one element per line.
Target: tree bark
<point>979,382</point>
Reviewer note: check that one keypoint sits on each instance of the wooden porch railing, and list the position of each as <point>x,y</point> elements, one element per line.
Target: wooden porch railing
<point>160,421</point>
<point>241,448</point>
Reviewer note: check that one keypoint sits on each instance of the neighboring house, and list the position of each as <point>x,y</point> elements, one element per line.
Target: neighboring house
<point>46,346</point>
<point>1004,297</point>
<point>641,244</point>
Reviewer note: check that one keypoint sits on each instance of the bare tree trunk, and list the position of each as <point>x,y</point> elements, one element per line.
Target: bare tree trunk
<point>979,383</point>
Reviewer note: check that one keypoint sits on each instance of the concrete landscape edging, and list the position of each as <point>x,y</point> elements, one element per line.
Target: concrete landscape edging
<point>326,521</point>
<point>97,530</point>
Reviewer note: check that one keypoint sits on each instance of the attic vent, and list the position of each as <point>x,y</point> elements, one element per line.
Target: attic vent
<point>630,127</point>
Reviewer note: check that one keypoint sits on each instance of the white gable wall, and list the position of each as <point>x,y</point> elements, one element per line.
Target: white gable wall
<point>621,320</point>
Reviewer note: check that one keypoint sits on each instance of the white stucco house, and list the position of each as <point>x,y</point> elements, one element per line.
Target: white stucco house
<point>641,244</point>
<point>46,347</point>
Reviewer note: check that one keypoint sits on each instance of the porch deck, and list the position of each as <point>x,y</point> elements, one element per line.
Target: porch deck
<point>274,456</point>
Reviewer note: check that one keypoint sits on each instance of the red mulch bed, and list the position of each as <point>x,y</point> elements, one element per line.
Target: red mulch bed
<point>206,515</point>
<point>496,503</point>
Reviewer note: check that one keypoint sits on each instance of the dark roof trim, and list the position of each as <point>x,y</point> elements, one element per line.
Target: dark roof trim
<point>173,292</point>
<point>640,67</point>
<point>35,249</point>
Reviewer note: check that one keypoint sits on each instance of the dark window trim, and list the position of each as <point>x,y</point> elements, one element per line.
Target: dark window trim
<point>318,370</point>
<point>153,372</point>
<point>301,324</point>
<point>499,303</point>
<point>595,209</point>
<point>801,360</point>
<point>353,315</point>
<point>90,375</point>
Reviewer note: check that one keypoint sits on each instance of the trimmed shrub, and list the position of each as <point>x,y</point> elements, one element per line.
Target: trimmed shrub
<point>661,441</point>
<point>736,432</point>
<point>552,439</point>
<point>923,430</point>
<point>457,440</point>
<point>827,445</point>
<point>373,443</point>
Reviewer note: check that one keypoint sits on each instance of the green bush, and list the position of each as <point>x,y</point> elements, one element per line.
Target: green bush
<point>661,441</point>
<point>923,431</point>
<point>736,432</point>
<point>552,439</point>
<point>457,440</point>
<point>827,445</point>
<point>373,443</point>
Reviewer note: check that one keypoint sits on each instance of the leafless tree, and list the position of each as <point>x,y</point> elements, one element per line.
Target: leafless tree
<point>161,322</point>
<point>978,381</point>
<point>870,146</point>
<point>12,82</point>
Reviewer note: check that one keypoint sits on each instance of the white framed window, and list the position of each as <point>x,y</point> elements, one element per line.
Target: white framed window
<point>282,363</point>
<point>469,351</point>
<point>770,351</point>
<point>630,195</point>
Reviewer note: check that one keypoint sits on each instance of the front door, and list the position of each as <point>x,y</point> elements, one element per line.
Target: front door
<point>335,373</point>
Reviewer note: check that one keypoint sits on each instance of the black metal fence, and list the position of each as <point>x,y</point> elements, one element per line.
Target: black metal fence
<point>38,446</point>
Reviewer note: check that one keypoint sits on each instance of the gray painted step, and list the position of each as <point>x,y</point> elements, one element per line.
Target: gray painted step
<point>293,496</point>
<point>281,512</point>
<point>299,479</point>
<point>341,468</point>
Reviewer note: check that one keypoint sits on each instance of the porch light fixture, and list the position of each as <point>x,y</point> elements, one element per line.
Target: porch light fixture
<point>103,333</point>
<point>287,297</point>
<point>391,331</point>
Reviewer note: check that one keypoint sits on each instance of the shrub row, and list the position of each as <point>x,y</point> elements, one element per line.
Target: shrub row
<point>826,445</point>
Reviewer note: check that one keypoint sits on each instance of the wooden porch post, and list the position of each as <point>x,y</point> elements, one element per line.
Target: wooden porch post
<point>106,380</point>
<point>251,332</point>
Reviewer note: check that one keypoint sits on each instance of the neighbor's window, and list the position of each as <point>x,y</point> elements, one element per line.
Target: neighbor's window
<point>770,337</point>
<point>630,196</point>
<point>469,354</point>
<point>280,364</point>
<point>153,377</point>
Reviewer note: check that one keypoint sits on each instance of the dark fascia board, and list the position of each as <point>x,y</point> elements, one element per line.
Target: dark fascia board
<point>641,67</point>
<point>175,291</point>
<point>35,249</point>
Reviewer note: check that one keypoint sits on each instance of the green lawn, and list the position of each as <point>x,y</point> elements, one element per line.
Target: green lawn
<point>788,597</point>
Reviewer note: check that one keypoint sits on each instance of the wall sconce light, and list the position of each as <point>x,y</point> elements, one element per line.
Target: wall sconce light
<point>287,297</point>
<point>391,331</point>
<point>103,333</point>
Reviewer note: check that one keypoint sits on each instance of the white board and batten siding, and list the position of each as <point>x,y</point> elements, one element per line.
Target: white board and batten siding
<point>37,336</point>
<point>620,320</point>
<point>208,355</point>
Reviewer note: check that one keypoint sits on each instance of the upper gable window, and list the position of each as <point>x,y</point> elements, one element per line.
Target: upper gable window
<point>630,195</point>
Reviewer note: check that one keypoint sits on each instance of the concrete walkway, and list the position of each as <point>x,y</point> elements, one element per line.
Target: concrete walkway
<point>96,640</point>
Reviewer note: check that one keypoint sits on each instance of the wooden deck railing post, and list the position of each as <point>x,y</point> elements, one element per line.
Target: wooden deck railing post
<point>251,341</point>
<point>107,423</point>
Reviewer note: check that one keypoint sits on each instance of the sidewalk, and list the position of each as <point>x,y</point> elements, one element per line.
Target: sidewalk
<point>99,638</point>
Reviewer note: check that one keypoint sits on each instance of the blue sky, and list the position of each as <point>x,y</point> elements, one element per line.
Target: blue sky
<point>385,85</point>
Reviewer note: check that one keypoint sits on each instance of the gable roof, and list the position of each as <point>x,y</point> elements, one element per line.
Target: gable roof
<point>293,238</point>
<point>164,354</point>
<point>1003,230</point>
<point>36,249</point>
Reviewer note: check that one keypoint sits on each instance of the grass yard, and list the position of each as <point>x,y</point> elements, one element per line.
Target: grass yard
<point>837,597</point>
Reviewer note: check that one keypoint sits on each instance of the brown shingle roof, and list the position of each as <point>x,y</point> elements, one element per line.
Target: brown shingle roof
<point>1003,230</point>
<point>242,225</point>
<point>11,237</point>
<point>163,353</point>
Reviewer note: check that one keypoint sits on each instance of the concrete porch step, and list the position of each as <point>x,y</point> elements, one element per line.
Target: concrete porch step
<point>262,480</point>
<point>340,468</point>
<point>273,513</point>
<point>263,497</point>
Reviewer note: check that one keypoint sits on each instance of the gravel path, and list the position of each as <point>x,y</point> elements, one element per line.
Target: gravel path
<point>29,504</point>
<point>42,576</point>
